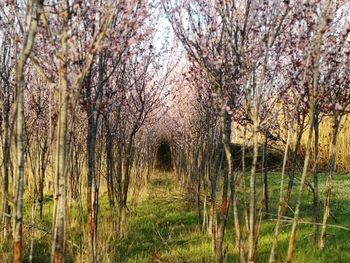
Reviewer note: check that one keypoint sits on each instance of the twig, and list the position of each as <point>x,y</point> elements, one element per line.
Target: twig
<point>47,232</point>
<point>290,219</point>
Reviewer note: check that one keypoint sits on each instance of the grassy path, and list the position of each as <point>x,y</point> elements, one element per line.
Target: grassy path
<point>163,228</point>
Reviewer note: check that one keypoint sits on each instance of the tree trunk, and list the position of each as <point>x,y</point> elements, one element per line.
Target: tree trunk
<point>6,210</point>
<point>119,178</point>
<point>237,226</point>
<point>32,234</point>
<point>226,134</point>
<point>110,172</point>
<point>122,224</point>
<point>281,203</point>
<point>6,105</point>
<point>329,185</point>
<point>245,211</point>
<point>252,204</point>
<point>312,110</point>
<point>42,169</point>
<point>205,187</point>
<point>18,221</point>
<point>60,199</point>
<point>125,188</point>
<point>294,167</point>
<point>28,39</point>
<point>301,189</point>
<point>315,207</point>
<point>213,224</point>
<point>265,178</point>
<point>91,182</point>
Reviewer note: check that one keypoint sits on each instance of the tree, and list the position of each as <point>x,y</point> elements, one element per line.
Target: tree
<point>31,24</point>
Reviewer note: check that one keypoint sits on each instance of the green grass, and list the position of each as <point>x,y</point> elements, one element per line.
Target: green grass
<point>165,228</point>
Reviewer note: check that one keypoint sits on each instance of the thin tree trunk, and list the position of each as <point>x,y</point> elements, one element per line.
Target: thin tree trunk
<point>205,186</point>
<point>213,224</point>
<point>110,172</point>
<point>32,17</point>
<point>60,198</point>
<point>237,226</point>
<point>265,178</point>
<point>315,206</point>
<point>301,189</point>
<point>6,134</point>
<point>42,169</point>
<point>32,234</point>
<point>329,184</point>
<point>6,210</point>
<point>91,198</point>
<point>127,171</point>
<point>198,195</point>
<point>91,182</point>
<point>226,131</point>
<point>281,203</point>
<point>313,98</point>
<point>119,180</point>
<point>294,167</point>
<point>252,204</point>
<point>205,217</point>
<point>214,227</point>
<point>245,210</point>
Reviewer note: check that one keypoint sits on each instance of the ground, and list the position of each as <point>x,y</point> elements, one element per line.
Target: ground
<point>164,227</point>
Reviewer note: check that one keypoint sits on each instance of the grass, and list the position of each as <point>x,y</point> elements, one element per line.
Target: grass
<point>165,228</point>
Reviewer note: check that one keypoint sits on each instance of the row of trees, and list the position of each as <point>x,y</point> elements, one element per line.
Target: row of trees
<point>275,68</point>
<point>85,99</point>
<point>79,95</point>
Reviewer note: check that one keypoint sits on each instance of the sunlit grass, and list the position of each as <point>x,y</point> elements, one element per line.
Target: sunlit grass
<point>165,228</point>
<point>179,237</point>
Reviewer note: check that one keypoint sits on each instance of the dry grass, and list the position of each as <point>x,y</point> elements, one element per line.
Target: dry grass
<point>325,133</point>
<point>343,145</point>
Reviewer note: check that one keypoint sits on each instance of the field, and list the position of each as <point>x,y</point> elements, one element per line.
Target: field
<point>165,228</point>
